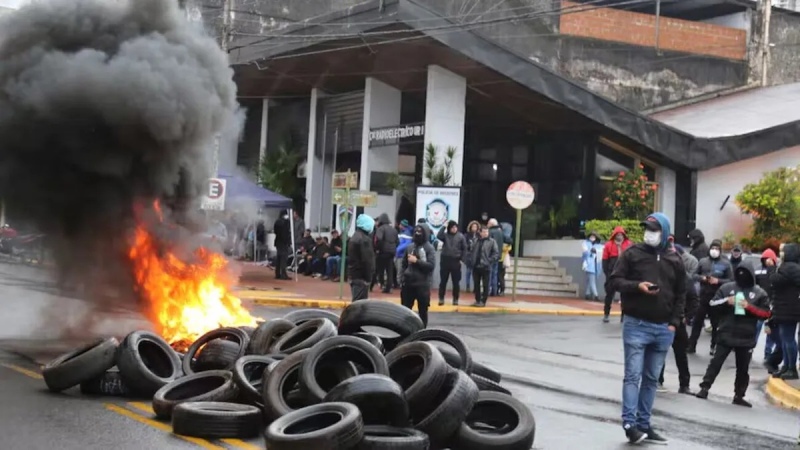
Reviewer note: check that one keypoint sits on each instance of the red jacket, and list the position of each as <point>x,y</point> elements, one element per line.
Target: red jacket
<point>610,250</point>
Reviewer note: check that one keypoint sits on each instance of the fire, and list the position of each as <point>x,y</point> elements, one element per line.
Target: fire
<point>183,299</point>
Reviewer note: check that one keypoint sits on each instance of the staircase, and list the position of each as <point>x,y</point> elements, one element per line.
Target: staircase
<point>541,276</point>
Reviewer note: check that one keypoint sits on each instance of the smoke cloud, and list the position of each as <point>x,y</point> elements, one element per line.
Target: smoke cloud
<point>105,105</point>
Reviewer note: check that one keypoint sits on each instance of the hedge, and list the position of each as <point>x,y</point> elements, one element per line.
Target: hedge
<point>604,228</point>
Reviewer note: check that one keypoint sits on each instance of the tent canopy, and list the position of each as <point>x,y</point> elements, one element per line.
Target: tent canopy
<point>242,188</point>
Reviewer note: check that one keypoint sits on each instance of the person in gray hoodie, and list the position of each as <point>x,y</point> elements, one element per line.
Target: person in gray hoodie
<point>454,249</point>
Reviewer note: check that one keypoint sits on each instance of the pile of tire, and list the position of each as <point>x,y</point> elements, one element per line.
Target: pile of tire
<point>313,380</point>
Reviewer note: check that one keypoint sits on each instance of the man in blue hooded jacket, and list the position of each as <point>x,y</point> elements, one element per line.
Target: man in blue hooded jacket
<point>361,258</point>
<point>652,282</point>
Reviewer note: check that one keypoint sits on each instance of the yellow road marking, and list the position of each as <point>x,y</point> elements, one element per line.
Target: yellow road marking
<point>161,426</point>
<point>24,371</point>
<point>142,407</point>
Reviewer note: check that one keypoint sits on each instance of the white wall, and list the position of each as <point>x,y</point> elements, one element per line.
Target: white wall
<point>716,184</point>
<point>740,20</point>
<point>666,192</point>
<point>381,109</point>
<point>445,109</point>
<point>553,248</point>
<point>314,170</point>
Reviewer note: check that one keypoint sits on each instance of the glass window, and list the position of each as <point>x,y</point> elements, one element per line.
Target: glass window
<point>610,163</point>
<point>519,154</point>
<point>488,154</point>
<point>519,172</point>
<point>487,171</point>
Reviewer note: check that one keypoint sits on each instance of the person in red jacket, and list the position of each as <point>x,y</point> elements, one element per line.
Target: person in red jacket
<point>614,247</point>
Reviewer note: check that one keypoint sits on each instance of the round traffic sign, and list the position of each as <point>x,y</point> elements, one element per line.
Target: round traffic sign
<point>520,195</point>
<point>215,189</point>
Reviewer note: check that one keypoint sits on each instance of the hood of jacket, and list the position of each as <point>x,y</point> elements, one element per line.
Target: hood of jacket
<point>697,237</point>
<point>383,219</point>
<point>618,230</point>
<point>469,227</point>
<point>365,223</point>
<point>744,275</point>
<point>690,263</point>
<point>716,243</point>
<point>769,254</point>
<point>424,230</point>
<point>666,228</point>
<point>450,225</point>
<point>791,253</point>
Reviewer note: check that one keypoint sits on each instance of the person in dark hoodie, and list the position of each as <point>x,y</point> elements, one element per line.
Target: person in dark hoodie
<point>712,272</point>
<point>739,304</point>
<point>361,258</point>
<point>482,256</point>
<point>736,256</point>
<point>454,250</point>
<point>418,265</point>
<point>386,242</point>
<point>785,283</point>
<point>773,352</point>
<point>652,282</point>
<point>614,247</point>
<point>283,244</point>
<point>496,233</point>
<point>697,240</point>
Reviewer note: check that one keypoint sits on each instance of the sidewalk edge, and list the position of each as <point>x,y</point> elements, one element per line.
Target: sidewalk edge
<point>780,393</point>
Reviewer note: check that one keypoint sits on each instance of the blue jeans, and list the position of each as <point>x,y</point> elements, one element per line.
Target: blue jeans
<point>591,285</point>
<point>788,336</point>
<point>468,276</point>
<point>773,339</point>
<point>332,265</point>
<point>493,278</point>
<point>646,345</point>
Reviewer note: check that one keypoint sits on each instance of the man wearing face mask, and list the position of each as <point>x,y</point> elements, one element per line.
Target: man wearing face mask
<point>418,265</point>
<point>712,272</point>
<point>613,249</point>
<point>736,256</point>
<point>361,258</point>
<point>283,244</point>
<point>652,281</point>
<point>697,241</point>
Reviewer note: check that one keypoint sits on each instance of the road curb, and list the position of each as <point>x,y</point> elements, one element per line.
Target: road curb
<point>341,304</point>
<point>780,393</point>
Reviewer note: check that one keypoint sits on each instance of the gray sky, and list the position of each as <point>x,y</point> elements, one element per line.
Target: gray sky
<point>12,3</point>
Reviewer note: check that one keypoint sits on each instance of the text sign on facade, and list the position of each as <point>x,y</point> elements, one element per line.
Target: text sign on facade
<point>400,134</point>
<point>214,200</point>
<point>438,205</point>
<point>520,195</point>
<point>364,199</point>
<point>345,180</point>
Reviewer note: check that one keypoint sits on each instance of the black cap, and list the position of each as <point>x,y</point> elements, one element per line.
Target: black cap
<point>651,224</point>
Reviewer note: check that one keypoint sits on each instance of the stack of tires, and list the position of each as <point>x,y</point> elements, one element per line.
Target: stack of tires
<point>316,381</point>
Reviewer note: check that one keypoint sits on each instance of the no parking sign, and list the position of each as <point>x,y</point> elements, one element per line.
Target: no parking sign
<point>214,199</point>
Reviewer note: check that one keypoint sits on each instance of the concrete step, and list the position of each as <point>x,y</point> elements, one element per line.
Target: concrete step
<point>536,262</point>
<point>541,293</point>
<point>551,277</point>
<point>560,286</point>
<point>547,271</point>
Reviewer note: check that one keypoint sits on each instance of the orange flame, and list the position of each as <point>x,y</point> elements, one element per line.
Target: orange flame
<point>183,300</point>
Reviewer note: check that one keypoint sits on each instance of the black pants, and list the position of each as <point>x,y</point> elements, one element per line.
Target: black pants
<point>699,322</point>
<point>359,290</point>
<point>679,345</point>
<point>384,268</point>
<point>501,279</point>
<point>742,380</point>
<point>449,268</point>
<point>609,297</point>
<point>281,262</point>
<point>481,289</point>
<point>422,294</point>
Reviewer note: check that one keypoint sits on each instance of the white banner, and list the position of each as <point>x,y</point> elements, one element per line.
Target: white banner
<point>438,205</point>
<point>214,200</point>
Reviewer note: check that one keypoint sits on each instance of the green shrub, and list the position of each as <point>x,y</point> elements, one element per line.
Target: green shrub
<point>604,228</point>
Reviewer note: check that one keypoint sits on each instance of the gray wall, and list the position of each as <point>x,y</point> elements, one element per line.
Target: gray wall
<point>784,62</point>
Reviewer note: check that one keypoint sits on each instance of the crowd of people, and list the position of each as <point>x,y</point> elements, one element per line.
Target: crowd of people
<point>667,292</point>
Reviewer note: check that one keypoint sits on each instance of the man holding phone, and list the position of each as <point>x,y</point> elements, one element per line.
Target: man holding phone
<point>651,280</point>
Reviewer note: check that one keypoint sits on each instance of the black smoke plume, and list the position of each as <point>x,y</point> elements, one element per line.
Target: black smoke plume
<point>105,104</point>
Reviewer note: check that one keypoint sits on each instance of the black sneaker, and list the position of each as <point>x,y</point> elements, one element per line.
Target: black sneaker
<point>712,351</point>
<point>691,350</point>
<point>634,435</point>
<point>441,302</point>
<point>740,401</point>
<point>605,318</point>
<point>455,302</point>
<point>685,390</point>
<point>651,437</point>
<point>702,393</point>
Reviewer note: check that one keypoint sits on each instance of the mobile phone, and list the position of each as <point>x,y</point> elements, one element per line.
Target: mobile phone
<point>652,287</point>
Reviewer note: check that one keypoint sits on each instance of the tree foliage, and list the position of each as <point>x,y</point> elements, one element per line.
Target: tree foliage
<point>774,205</point>
<point>631,195</point>
<point>439,174</point>
<point>278,169</point>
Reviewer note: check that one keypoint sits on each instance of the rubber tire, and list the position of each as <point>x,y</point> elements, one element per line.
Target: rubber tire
<point>209,386</point>
<point>361,350</point>
<point>86,363</point>
<point>520,437</point>
<point>454,360</point>
<point>320,330</point>
<point>275,385</point>
<point>373,339</point>
<point>346,433</point>
<point>110,384</point>
<point>422,390</point>
<point>485,384</point>
<point>266,334</point>
<point>449,338</point>
<point>379,313</point>
<point>136,368</point>
<point>378,437</point>
<point>379,398</point>
<point>216,420</point>
<point>220,333</point>
<point>248,374</point>
<point>302,316</point>
<point>454,403</point>
<point>247,329</point>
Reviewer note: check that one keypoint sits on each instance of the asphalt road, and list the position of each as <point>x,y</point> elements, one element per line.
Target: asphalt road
<point>568,370</point>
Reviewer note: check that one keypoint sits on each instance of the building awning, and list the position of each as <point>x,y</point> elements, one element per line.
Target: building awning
<point>693,148</point>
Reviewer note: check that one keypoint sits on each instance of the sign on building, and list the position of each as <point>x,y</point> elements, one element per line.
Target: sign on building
<point>214,200</point>
<point>520,195</point>
<point>345,180</point>
<point>394,135</point>
<point>438,205</point>
<point>364,199</point>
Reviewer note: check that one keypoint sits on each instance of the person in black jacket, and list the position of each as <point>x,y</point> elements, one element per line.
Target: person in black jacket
<point>454,250</point>
<point>283,244</point>
<point>361,258</point>
<point>386,241</point>
<point>736,256</point>
<point>712,272</point>
<point>697,241</point>
<point>651,280</point>
<point>418,265</point>
<point>740,305</point>
<point>483,254</point>
<point>786,307</point>
<point>773,352</point>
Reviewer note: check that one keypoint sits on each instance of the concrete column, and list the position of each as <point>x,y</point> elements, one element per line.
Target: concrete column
<point>262,147</point>
<point>313,165</point>
<point>381,108</point>
<point>445,110</point>
<point>666,180</point>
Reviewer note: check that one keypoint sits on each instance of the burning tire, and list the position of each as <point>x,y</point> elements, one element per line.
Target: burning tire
<point>379,398</point>
<point>302,316</point>
<point>485,384</point>
<point>446,337</point>
<point>333,351</point>
<point>421,371</point>
<point>230,334</point>
<point>373,339</point>
<point>109,384</point>
<point>305,336</point>
<point>216,420</point>
<point>453,404</point>
<point>210,386</point>
<point>506,424</point>
<point>248,374</point>
<point>382,314</point>
<point>146,363</point>
<point>81,365</point>
<point>328,426</point>
<point>481,370</point>
<point>377,437</point>
<point>265,336</point>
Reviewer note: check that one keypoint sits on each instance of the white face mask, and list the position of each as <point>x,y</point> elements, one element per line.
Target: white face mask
<point>652,238</point>
<point>286,216</point>
<point>714,253</point>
